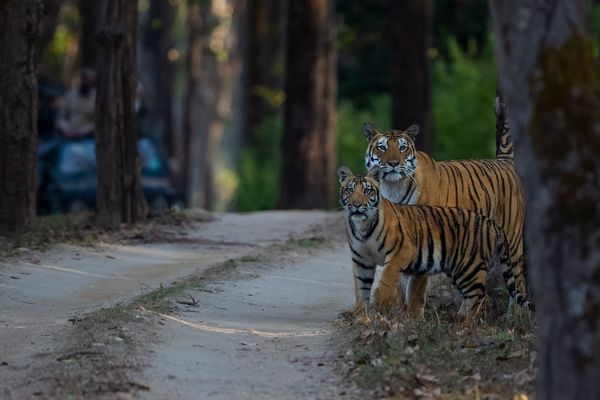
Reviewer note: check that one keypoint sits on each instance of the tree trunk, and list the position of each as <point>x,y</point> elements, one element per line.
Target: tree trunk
<point>265,55</point>
<point>90,12</point>
<point>157,73</point>
<point>411,30</point>
<point>120,197</point>
<point>19,32</point>
<point>552,90</point>
<point>208,101</point>
<point>309,157</point>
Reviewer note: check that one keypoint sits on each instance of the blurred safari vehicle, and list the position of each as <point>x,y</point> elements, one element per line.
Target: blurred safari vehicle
<point>67,175</point>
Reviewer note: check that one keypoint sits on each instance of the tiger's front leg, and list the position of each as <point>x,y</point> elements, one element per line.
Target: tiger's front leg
<point>364,274</point>
<point>386,292</point>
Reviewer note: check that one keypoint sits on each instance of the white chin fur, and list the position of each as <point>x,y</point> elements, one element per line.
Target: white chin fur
<point>393,177</point>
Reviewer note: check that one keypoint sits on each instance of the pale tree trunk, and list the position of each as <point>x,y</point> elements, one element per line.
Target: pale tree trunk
<point>157,73</point>
<point>211,38</point>
<point>309,157</point>
<point>19,32</point>
<point>120,197</point>
<point>411,30</point>
<point>552,89</point>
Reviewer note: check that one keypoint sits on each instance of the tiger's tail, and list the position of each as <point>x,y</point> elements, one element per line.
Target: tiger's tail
<point>504,143</point>
<point>508,274</point>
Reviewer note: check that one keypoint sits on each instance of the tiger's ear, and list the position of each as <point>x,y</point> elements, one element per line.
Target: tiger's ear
<point>376,173</point>
<point>369,130</point>
<point>413,131</point>
<point>344,173</point>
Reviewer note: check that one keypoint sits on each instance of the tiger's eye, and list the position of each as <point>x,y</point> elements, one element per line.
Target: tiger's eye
<point>381,148</point>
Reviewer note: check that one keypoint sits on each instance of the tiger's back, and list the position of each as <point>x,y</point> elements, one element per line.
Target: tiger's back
<point>426,240</point>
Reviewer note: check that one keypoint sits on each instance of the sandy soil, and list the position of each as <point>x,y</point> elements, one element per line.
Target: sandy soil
<point>261,336</point>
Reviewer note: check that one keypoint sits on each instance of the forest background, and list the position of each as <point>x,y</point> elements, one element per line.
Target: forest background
<point>242,47</point>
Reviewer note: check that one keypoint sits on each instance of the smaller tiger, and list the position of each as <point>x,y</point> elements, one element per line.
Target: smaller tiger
<point>419,240</point>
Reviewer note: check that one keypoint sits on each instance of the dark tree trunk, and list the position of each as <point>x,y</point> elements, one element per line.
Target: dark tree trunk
<point>91,13</point>
<point>19,32</point>
<point>265,55</point>
<point>552,89</point>
<point>120,197</point>
<point>411,29</point>
<point>157,73</point>
<point>309,157</point>
<point>48,25</point>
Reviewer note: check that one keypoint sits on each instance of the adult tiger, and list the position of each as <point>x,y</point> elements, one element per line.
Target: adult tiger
<point>488,187</point>
<point>419,240</point>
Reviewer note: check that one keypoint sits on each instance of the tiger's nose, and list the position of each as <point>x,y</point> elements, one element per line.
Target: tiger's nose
<point>393,163</point>
<point>356,205</point>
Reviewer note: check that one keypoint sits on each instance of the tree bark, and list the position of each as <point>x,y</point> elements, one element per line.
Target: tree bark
<point>411,31</point>
<point>120,197</point>
<point>90,12</point>
<point>211,40</point>
<point>552,90</point>
<point>309,156</point>
<point>157,72</point>
<point>265,58</point>
<point>19,32</point>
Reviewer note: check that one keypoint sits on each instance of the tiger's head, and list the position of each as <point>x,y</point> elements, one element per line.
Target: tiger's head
<point>393,151</point>
<point>359,195</point>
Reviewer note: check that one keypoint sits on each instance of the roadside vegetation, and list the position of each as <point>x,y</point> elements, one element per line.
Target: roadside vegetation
<point>79,229</point>
<point>439,357</point>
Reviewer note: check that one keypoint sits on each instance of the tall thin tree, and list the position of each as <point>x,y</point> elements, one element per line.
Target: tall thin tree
<point>411,35</point>
<point>309,156</point>
<point>19,32</point>
<point>265,52</point>
<point>120,197</point>
<point>552,89</point>
<point>157,72</point>
<point>211,41</point>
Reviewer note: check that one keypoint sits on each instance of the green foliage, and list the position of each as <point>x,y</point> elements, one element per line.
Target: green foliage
<point>260,168</point>
<point>351,142</point>
<point>463,91</point>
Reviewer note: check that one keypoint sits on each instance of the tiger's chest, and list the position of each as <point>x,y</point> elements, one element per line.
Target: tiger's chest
<point>400,193</point>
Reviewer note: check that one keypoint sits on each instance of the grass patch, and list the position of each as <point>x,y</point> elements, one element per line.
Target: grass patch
<point>305,243</point>
<point>161,299</point>
<point>74,228</point>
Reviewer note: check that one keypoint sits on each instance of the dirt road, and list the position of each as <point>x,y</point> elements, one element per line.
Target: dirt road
<point>261,336</point>
<point>266,333</point>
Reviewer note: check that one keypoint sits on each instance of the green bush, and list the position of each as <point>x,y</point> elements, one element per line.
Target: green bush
<point>351,142</point>
<point>260,169</point>
<point>463,94</point>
